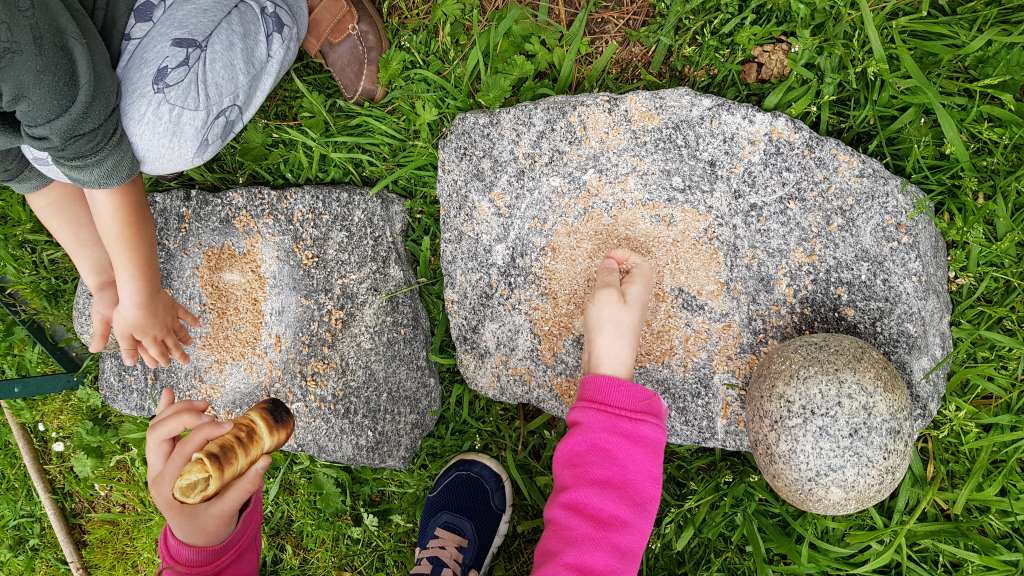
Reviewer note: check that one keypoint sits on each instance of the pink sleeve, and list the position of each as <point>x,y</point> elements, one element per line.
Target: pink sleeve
<point>239,555</point>
<point>607,481</point>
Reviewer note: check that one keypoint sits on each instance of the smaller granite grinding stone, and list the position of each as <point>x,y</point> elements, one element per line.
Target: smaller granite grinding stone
<point>304,295</point>
<point>829,421</point>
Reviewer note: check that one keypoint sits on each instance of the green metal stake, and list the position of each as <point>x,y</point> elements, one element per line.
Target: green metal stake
<point>38,385</point>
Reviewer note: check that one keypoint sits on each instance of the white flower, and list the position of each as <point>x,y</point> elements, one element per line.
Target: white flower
<point>58,447</point>
<point>53,434</point>
<point>41,426</point>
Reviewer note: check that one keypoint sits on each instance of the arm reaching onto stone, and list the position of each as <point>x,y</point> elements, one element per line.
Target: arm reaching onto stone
<point>608,467</point>
<point>63,210</point>
<point>147,321</point>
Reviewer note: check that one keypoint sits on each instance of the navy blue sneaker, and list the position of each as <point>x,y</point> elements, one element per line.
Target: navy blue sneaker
<point>465,518</point>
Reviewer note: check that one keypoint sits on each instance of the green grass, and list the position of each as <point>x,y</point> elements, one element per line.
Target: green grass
<point>931,89</point>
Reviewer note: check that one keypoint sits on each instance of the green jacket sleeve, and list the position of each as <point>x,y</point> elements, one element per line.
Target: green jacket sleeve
<point>19,174</point>
<point>56,77</point>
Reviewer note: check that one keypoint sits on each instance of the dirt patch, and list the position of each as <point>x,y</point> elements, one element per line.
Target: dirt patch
<point>609,21</point>
<point>769,62</point>
<point>630,60</point>
<point>728,359</point>
<point>599,130</point>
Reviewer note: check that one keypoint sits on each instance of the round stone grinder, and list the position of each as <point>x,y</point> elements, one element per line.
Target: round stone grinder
<point>829,422</point>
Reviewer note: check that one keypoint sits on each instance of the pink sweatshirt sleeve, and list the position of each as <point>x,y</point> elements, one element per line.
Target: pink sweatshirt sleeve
<point>607,481</point>
<point>239,555</point>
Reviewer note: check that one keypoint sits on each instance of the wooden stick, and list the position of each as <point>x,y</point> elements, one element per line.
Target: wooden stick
<point>42,485</point>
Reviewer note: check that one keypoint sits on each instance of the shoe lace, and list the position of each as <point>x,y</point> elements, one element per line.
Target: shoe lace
<point>445,546</point>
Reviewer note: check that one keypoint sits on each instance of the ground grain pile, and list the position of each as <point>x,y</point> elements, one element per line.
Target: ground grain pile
<point>235,289</point>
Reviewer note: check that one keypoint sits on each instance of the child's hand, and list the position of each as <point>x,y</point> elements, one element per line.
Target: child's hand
<point>209,523</point>
<point>104,302</point>
<point>616,313</point>
<point>152,327</point>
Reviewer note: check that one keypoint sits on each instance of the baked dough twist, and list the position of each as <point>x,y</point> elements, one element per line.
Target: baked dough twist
<point>263,429</point>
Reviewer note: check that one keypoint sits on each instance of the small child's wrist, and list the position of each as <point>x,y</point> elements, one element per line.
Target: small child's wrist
<point>102,283</point>
<point>606,374</point>
<point>604,365</point>
<point>209,536</point>
<point>134,295</point>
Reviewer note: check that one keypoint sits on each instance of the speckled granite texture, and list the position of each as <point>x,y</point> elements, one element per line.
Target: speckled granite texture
<point>304,296</point>
<point>762,230</point>
<point>829,423</point>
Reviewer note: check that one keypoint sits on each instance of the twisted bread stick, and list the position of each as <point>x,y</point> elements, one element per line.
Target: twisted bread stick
<point>263,429</point>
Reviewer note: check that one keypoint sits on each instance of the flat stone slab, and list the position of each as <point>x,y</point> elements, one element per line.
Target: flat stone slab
<point>761,231</point>
<point>304,295</point>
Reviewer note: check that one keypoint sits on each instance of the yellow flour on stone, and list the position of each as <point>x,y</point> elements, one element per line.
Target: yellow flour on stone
<point>235,290</point>
<point>678,240</point>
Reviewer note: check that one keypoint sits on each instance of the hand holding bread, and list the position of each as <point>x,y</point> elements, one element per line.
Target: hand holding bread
<point>263,429</point>
<point>212,521</point>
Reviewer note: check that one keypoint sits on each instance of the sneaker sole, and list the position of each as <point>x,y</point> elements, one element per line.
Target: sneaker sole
<point>507,517</point>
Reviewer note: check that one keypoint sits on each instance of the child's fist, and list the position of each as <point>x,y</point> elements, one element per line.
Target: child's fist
<point>209,523</point>
<point>616,313</point>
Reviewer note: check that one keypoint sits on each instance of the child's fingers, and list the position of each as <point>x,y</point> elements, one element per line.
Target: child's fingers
<point>100,334</point>
<point>184,314</point>
<point>129,348</point>
<point>607,275</point>
<point>176,351</point>
<point>639,282</point>
<point>161,437</point>
<point>624,256</point>
<point>166,401</point>
<point>242,488</point>
<point>185,448</point>
<point>157,351</point>
<point>183,406</point>
<point>182,334</point>
<point>173,425</point>
<point>147,357</point>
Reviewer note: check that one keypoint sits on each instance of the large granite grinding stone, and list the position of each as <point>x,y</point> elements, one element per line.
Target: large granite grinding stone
<point>761,230</point>
<point>304,295</point>
<point>829,423</point>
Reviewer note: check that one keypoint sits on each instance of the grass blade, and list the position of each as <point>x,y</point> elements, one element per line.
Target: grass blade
<point>949,126</point>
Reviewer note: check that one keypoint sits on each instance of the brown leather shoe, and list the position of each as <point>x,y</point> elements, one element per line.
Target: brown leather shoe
<point>348,36</point>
